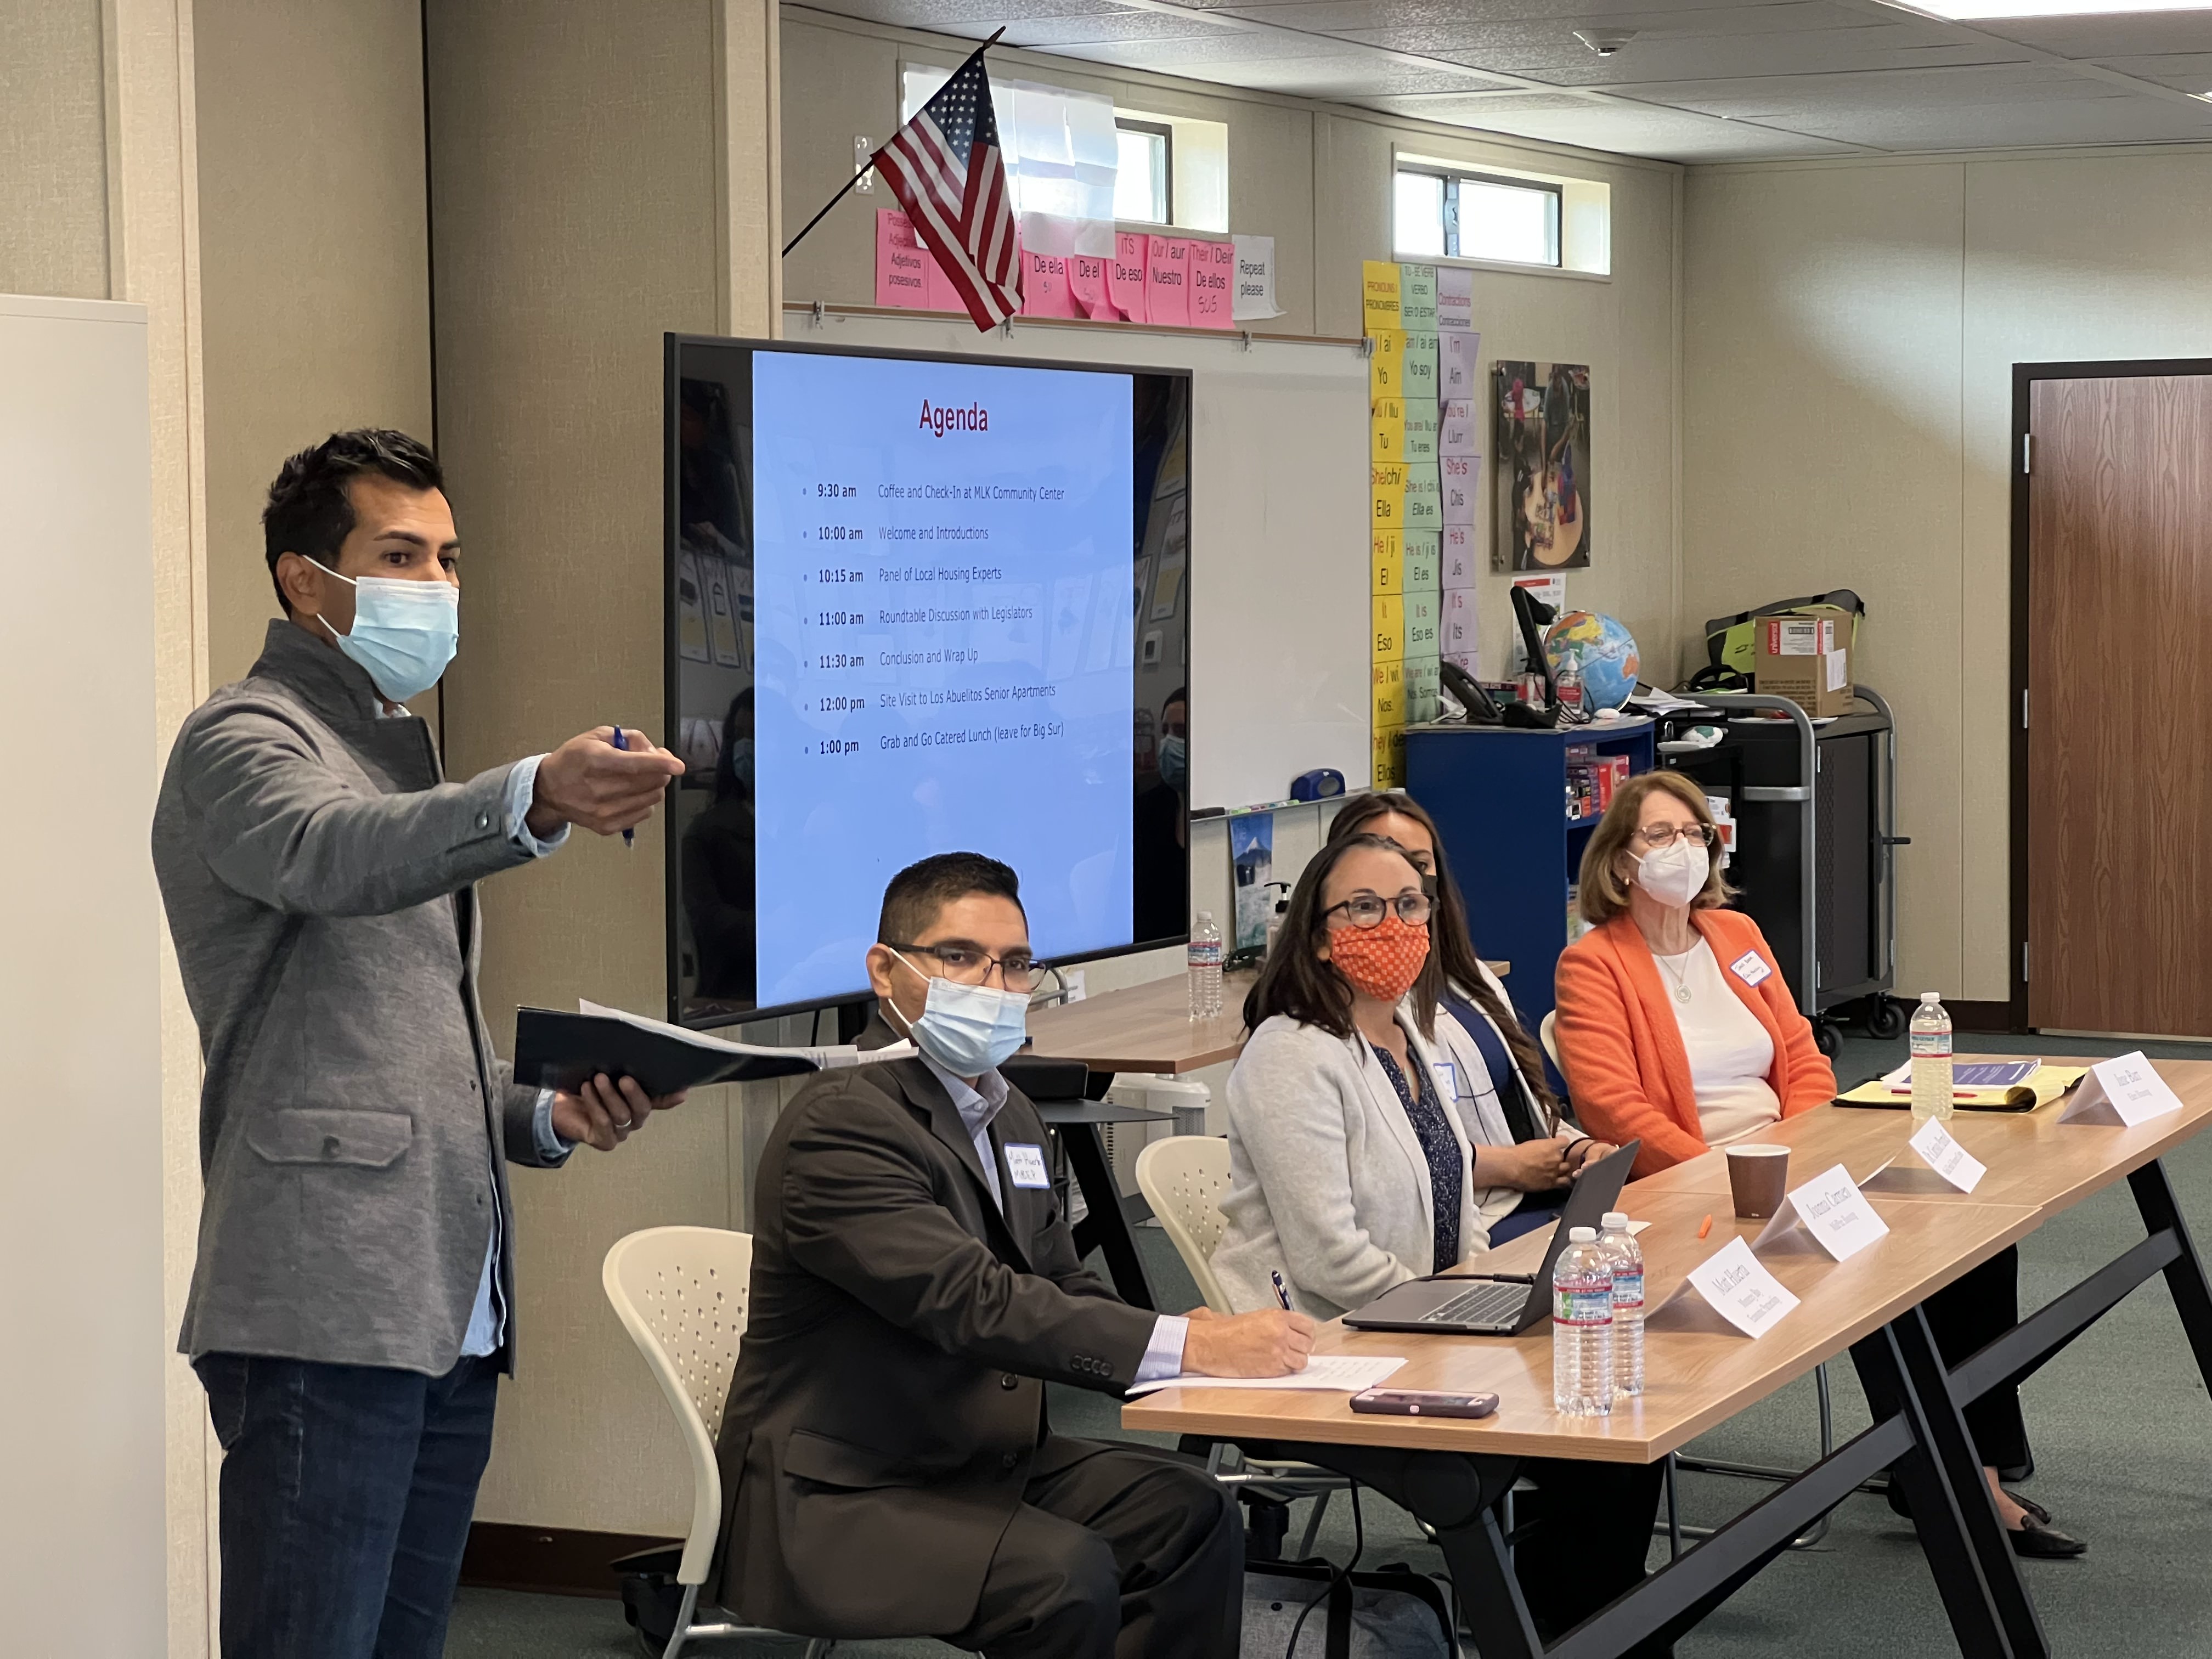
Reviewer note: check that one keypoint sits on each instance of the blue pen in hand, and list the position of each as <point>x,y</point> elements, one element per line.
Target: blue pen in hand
<point>1282,1291</point>
<point>629,837</point>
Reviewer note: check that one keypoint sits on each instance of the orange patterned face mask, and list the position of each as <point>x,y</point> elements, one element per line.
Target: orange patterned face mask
<point>1380,962</point>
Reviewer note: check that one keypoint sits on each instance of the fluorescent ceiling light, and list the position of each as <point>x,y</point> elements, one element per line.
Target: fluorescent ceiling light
<point>1970,10</point>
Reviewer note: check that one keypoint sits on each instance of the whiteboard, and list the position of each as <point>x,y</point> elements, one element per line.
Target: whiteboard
<point>1279,617</point>
<point>82,1429</point>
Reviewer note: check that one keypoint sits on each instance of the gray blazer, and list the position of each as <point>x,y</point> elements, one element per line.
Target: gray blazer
<point>354,1122</point>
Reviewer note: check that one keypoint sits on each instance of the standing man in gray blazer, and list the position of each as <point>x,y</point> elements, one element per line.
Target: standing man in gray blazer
<point>353,1304</point>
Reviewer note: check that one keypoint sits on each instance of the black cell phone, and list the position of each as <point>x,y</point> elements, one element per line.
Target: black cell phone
<point>1423,1403</point>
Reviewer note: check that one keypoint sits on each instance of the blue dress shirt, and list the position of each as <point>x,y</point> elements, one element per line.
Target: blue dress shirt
<point>487,1329</point>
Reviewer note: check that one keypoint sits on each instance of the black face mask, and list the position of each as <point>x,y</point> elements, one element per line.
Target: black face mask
<point>1429,885</point>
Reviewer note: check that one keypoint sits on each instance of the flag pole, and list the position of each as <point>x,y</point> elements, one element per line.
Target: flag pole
<point>863,173</point>
<point>826,206</point>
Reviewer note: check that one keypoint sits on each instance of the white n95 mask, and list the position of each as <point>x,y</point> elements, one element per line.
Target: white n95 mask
<point>405,633</point>
<point>1674,874</point>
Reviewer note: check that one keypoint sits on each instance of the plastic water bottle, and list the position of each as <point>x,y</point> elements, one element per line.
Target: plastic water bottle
<point>1627,1304</point>
<point>1581,1327</point>
<point>1204,960</point>
<point>1568,677</point>
<point>1931,1059</point>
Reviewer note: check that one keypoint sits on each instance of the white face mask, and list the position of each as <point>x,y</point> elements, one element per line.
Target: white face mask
<point>1676,873</point>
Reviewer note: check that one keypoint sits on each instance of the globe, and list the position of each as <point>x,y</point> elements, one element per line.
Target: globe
<point>1602,652</point>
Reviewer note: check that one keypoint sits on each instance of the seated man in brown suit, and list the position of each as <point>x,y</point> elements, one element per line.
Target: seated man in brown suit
<point>888,1466</point>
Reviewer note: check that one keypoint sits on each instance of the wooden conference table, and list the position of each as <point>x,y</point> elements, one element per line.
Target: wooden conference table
<point>1449,1474</point>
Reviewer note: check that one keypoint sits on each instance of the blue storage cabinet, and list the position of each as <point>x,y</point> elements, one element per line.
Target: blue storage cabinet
<point>1498,795</point>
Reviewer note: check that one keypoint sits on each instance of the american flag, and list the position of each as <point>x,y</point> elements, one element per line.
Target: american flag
<point>944,167</point>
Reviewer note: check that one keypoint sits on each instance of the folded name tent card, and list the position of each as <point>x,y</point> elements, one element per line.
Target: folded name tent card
<point>1946,1156</point>
<point>1733,1284</point>
<point>2128,1090</point>
<point>557,1050</point>
<point>1831,1210</point>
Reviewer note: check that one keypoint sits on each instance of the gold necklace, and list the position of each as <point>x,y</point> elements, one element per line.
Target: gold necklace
<point>1682,980</point>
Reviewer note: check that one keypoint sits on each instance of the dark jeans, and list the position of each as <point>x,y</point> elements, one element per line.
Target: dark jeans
<point>346,1496</point>
<point>1131,1553</point>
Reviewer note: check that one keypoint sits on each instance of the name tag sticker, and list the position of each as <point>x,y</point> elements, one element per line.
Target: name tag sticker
<point>1025,1163</point>
<point>1446,1073</point>
<point>1750,968</point>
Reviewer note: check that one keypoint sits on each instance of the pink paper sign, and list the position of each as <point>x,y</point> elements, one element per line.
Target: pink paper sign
<point>1126,278</point>
<point>1044,286</point>
<point>943,296</point>
<point>903,270</point>
<point>1086,282</point>
<point>1212,284</point>
<point>1167,281</point>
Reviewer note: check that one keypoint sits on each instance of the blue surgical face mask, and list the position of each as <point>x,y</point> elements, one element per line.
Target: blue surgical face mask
<point>741,760</point>
<point>1175,762</point>
<point>405,633</point>
<point>970,1030</point>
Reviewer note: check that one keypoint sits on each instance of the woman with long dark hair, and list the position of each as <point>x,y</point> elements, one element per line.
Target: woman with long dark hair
<point>1352,1170</point>
<point>1537,1151</point>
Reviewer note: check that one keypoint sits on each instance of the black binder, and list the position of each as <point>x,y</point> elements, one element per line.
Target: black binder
<point>556,1050</point>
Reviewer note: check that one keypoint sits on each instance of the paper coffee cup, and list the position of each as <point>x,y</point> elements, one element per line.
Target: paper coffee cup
<point>1759,1177</point>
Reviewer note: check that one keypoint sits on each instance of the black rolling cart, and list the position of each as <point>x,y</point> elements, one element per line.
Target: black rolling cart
<point>1815,807</point>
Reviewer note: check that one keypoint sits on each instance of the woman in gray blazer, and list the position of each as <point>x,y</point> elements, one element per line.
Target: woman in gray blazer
<point>1355,1163</point>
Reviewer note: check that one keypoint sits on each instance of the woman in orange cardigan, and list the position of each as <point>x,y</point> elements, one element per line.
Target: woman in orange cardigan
<point>1675,1027</point>
<point>1674,1023</point>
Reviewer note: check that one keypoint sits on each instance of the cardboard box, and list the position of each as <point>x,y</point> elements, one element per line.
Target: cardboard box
<point>1801,658</point>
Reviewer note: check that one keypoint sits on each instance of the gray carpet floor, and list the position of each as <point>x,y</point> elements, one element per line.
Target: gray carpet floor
<point>2120,1424</point>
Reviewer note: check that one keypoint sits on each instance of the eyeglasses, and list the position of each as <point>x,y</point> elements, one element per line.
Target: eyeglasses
<point>963,965</point>
<point>1665,834</point>
<point>1366,910</point>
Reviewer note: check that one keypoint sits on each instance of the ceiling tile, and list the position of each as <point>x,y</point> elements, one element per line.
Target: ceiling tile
<point>1545,52</point>
<point>1056,32</point>
<point>2184,71</point>
<point>2129,35</point>
<point>1631,129</point>
<point>973,19</point>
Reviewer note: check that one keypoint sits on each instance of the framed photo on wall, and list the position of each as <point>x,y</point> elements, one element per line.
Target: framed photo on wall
<point>1543,466</point>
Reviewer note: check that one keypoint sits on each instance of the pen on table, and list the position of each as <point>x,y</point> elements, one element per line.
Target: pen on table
<point>1956,1094</point>
<point>1704,1226</point>
<point>629,837</point>
<point>1282,1291</point>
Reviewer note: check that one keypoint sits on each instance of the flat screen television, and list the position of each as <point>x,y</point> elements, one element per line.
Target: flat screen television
<point>916,604</point>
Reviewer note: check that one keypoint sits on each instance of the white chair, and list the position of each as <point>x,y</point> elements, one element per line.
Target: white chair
<point>1183,1178</point>
<point>680,1292</point>
<point>1545,1035</point>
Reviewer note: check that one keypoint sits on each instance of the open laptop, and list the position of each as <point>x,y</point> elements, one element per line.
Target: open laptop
<point>1498,1304</point>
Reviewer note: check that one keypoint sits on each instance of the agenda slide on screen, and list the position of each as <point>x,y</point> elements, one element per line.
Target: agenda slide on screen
<point>944,627</point>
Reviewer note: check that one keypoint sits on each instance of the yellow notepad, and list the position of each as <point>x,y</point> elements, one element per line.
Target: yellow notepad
<point>2048,1083</point>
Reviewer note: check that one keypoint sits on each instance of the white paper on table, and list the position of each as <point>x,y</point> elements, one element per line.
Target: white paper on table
<point>1347,1372</point>
<point>1735,1284</point>
<point>2128,1090</point>
<point>1946,1156</point>
<point>1830,1209</point>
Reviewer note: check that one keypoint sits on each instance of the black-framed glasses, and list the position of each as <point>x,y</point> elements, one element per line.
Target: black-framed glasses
<point>1368,909</point>
<point>1666,834</point>
<point>964,964</point>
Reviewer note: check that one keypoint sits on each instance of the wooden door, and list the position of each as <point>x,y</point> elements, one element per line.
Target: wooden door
<point>2119,729</point>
